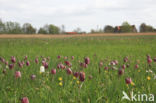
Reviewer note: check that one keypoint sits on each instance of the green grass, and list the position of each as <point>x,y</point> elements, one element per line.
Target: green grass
<point>105,87</point>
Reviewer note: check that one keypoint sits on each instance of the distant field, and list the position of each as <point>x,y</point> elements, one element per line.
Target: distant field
<point>102,84</point>
<point>70,35</point>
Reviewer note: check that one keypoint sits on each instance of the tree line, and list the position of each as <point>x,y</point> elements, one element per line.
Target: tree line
<point>125,28</point>
<point>15,28</point>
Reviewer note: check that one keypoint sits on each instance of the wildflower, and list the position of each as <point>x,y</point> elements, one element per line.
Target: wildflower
<point>25,100</point>
<point>61,66</point>
<point>132,83</point>
<point>72,57</point>
<point>84,65</point>
<point>11,66</point>
<point>123,66</point>
<point>116,62</point>
<point>68,63</point>
<point>121,71</point>
<point>33,77</point>
<point>46,65</point>
<point>65,57</point>
<point>36,60</point>
<point>13,59</point>
<point>126,59</point>
<point>150,71</point>
<point>87,60</point>
<point>148,78</point>
<point>6,67</point>
<point>114,68</point>
<point>149,60</point>
<point>128,80</point>
<point>20,64</point>
<point>74,77</point>
<point>106,68</point>
<point>112,63</point>
<point>78,82</point>
<point>17,74</point>
<point>136,66</point>
<point>69,71</point>
<point>53,71</point>
<point>2,59</point>
<point>127,65</point>
<point>60,83</point>
<point>58,56</point>
<point>4,71</point>
<point>101,64</point>
<point>82,76</point>
<point>27,63</point>
<point>76,74</point>
<point>42,69</point>
<point>6,62</point>
<point>26,57</point>
<point>60,78</point>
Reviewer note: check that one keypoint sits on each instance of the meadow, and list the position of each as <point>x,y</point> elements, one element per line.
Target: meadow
<point>77,69</point>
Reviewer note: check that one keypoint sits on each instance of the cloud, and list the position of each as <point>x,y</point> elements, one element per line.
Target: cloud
<point>86,14</point>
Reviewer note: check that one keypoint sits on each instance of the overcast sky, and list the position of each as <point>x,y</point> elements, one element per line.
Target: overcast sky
<point>86,14</point>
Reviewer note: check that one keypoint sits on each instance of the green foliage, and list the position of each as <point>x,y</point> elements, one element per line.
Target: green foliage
<point>53,29</point>
<point>28,29</point>
<point>146,28</point>
<point>126,27</point>
<point>106,87</point>
<point>49,29</point>
<point>108,29</point>
<point>2,27</point>
<point>42,31</point>
<point>10,28</point>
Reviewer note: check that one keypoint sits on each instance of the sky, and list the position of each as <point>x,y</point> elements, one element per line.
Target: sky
<point>86,14</point>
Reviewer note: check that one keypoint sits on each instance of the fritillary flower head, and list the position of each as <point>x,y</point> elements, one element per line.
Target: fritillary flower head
<point>53,71</point>
<point>42,69</point>
<point>128,80</point>
<point>87,60</point>
<point>82,76</point>
<point>25,100</point>
<point>17,74</point>
<point>13,59</point>
<point>60,79</point>
<point>148,78</point>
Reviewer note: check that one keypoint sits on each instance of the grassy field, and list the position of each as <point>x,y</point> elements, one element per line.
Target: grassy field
<point>101,85</point>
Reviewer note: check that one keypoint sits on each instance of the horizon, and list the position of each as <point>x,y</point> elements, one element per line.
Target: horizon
<point>86,14</point>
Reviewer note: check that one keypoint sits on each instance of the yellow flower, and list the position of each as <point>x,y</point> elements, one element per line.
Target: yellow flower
<point>148,78</point>
<point>127,86</point>
<point>74,78</point>
<point>78,82</point>
<point>60,84</point>
<point>60,78</point>
<point>132,83</point>
<point>138,70</point>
